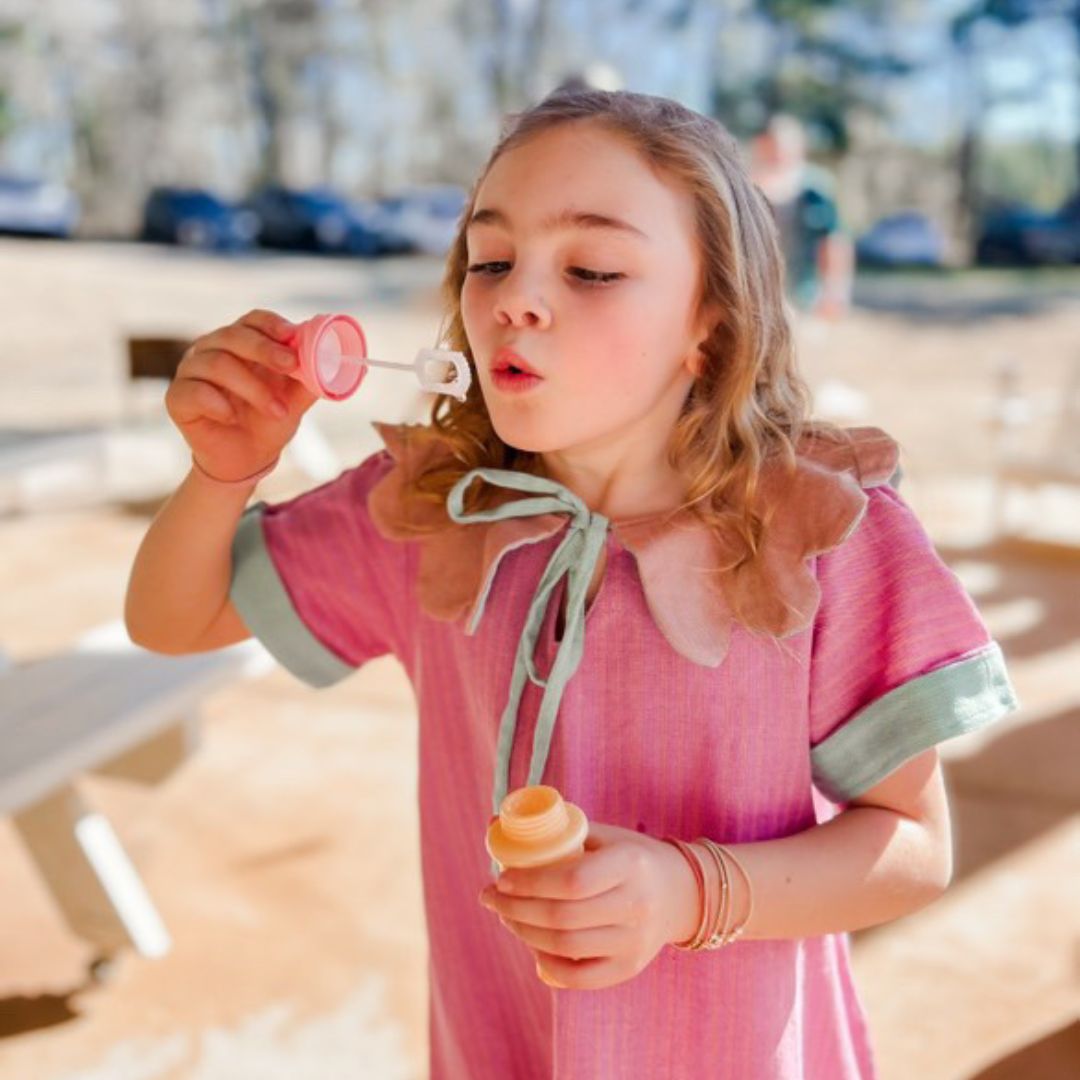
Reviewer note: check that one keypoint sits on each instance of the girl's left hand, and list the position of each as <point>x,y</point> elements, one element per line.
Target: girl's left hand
<point>599,920</point>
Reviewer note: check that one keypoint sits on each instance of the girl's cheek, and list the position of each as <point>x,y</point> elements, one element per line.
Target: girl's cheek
<point>472,298</point>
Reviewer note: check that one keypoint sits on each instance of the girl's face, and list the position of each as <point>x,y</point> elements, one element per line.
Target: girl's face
<point>602,312</point>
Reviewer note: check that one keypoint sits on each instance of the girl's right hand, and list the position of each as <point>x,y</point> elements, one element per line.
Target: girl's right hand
<point>223,395</point>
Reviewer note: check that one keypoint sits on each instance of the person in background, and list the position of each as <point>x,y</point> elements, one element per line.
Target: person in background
<point>818,252</point>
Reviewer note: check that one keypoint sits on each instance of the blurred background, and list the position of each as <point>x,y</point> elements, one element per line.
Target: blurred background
<point>208,870</point>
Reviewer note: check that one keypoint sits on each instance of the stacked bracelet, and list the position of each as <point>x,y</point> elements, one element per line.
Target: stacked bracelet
<point>714,930</point>
<point>692,857</point>
<point>721,933</point>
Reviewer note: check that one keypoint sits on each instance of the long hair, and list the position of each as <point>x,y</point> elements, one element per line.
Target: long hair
<point>749,402</point>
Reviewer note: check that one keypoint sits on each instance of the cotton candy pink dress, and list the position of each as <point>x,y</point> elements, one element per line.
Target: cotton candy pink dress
<point>865,650</point>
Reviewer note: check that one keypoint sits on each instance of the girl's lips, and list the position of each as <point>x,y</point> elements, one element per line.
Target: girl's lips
<point>505,359</point>
<point>511,382</point>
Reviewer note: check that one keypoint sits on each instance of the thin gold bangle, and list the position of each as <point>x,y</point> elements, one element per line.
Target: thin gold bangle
<point>706,902</point>
<point>716,938</point>
<point>699,881</point>
<point>749,893</point>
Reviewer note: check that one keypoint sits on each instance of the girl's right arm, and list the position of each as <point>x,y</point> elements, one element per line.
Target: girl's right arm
<point>222,400</point>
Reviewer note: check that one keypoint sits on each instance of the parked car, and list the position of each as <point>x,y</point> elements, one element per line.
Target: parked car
<point>908,238</point>
<point>1019,235</point>
<point>194,217</point>
<point>320,219</point>
<point>426,216</point>
<point>32,206</point>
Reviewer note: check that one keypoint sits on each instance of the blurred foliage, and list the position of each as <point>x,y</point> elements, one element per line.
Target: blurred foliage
<point>10,33</point>
<point>370,95</point>
<point>1034,172</point>
<point>814,73</point>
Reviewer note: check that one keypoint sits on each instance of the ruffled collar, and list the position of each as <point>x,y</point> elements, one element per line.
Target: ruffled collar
<point>811,510</point>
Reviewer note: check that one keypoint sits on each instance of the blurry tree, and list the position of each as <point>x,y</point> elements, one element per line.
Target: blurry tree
<point>368,95</point>
<point>963,29</point>
<point>10,34</point>
<point>278,39</point>
<point>812,66</point>
<point>511,35</point>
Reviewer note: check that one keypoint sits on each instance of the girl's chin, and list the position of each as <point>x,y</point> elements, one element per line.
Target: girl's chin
<point>526,438</point>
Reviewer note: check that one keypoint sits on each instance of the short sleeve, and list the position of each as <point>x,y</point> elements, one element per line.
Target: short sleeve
<point>901,659</point>
<point>316,582</point>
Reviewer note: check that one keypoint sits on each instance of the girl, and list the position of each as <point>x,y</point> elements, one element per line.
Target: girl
<point>629,566</point>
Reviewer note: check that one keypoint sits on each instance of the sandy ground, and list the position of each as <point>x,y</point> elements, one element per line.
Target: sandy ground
<point>283,855</point>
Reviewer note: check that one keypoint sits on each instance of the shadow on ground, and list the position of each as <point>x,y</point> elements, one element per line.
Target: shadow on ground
<point>1056,1057</point>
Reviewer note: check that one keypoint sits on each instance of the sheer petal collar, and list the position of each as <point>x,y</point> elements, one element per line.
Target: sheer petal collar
<point>681,561</point>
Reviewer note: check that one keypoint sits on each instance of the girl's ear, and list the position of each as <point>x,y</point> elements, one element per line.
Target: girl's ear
<point>709,319</point>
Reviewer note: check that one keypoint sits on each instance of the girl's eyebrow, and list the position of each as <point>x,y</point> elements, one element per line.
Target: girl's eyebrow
<point>562,219</point>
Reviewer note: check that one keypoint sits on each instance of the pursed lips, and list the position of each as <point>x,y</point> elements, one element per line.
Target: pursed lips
<point>506,359</point>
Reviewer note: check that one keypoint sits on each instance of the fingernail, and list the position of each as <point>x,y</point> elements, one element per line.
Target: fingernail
<point>279,410</point>
<point>544,979</point>
<point>286,362</point>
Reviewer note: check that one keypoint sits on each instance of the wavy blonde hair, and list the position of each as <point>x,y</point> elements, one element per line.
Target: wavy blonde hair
<point>749,402</point>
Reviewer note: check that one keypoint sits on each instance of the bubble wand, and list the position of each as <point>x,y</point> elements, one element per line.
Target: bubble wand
<point>332,351</point>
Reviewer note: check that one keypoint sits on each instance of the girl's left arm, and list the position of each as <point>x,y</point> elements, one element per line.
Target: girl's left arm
<point>886,855</point>
<point>601,920</point>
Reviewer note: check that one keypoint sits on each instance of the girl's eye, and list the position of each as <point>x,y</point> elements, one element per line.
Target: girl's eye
<point>484,268</point>
<point>589,277</point>
<point>594,276</point>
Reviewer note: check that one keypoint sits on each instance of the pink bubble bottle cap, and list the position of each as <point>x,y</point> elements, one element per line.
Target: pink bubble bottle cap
<point>333,360</point>
<point>536,827</point>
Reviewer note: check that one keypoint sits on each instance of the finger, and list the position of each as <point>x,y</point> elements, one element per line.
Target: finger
<point>581,974</point>
<point>199,400</point>
<point>270,323</point>
<point>252,345</point>
<point>599,942</point>
<point>601,834</point>
<point>230,373</point>
<point>593,873</point>
<point>293,392</point>
<point>612,908</point>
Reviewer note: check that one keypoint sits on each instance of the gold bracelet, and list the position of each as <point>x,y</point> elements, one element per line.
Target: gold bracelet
<point>715,928</point>
<point>706,903</point>
<point>720,924</point>
<point>727,936</point>
<point>723,906</point>
<point>698,869</point>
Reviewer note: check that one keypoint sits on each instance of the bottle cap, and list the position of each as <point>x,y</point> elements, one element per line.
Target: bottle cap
<point>535,827</point>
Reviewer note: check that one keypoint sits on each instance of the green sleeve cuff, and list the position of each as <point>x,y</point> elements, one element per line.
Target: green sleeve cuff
<point>953,700</point>
<point>258,594</point>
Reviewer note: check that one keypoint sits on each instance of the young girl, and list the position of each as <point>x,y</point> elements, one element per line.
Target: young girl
<point>629,566</point>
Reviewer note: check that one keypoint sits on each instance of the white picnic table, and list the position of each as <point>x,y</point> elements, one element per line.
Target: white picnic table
<point>109,708</point>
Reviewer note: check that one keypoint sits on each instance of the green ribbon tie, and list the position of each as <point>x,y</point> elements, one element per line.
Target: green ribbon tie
<point>575,559</point>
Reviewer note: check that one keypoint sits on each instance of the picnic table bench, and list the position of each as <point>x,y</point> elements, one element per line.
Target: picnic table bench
<point>31,458</point>
<point>113,709</point>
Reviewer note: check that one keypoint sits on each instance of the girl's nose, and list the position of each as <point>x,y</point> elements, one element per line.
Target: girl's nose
<point>519,304</point>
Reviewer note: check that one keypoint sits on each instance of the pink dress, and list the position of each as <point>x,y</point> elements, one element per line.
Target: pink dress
<point>858,649</point>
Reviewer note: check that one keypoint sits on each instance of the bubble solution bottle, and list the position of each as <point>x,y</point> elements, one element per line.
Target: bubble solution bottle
<point>536,827</point>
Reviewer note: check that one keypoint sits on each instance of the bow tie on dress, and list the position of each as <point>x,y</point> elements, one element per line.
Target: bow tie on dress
<point>575,560</point>
<point>688,570</point>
